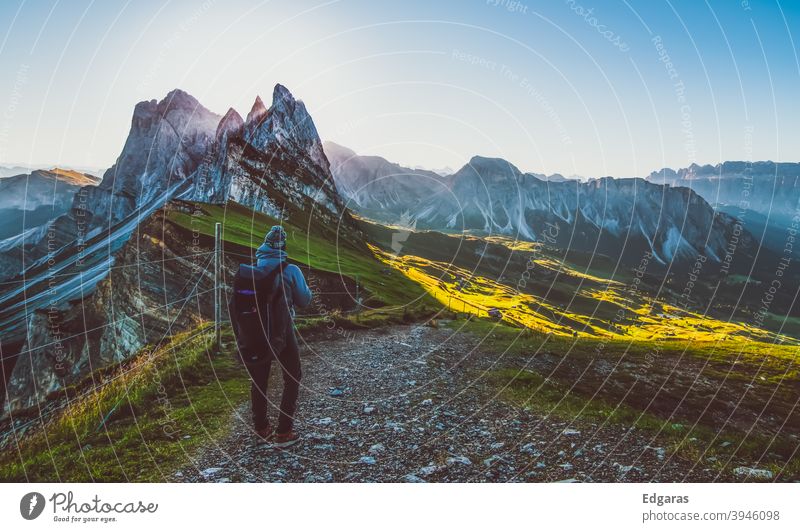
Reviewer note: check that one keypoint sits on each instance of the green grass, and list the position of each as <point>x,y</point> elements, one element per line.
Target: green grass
<point>775,360</point>
<point>150,416</point>
<point>324,248</point>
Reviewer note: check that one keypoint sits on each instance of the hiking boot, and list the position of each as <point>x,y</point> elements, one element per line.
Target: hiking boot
<point>285,439</point>
<point>265,433</point>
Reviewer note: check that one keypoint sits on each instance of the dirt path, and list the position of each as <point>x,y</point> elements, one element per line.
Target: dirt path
<point>408,404</point>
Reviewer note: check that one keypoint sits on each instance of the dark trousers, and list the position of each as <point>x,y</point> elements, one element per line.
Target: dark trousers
<point>289,362</point>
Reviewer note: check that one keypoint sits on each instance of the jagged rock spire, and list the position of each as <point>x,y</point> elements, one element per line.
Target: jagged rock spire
<point>257,112</point>
<point>231,123</point>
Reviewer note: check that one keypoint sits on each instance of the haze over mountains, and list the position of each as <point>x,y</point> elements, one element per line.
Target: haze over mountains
<point>491,196</point>
<point>763,195</point>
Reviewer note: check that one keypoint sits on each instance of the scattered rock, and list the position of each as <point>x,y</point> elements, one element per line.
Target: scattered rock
<point>661,453</point>
<point>492,459</point>
<point>394,426</point>
<point>625,469</point>
<point>530,449</point>
<point>210,472</point>
<point>326,476</point>
<point>439,445</point>
<point>428,470</point>
<point>378,448</point>
<point>753,473</point>
<point>463,460</point>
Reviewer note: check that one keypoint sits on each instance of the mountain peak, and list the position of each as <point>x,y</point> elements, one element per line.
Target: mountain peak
<point>281,94</point>
<point>180,95</point>
<point>287,122</point>
<point>492,165</point>
<point>231,122</point>
<point>257,112</point>
<point>338,150</point>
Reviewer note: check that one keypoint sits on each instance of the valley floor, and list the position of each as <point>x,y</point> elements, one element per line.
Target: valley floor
<point>416,403</point>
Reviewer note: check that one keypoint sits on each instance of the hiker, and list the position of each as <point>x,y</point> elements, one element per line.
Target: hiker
<point>271,255</point>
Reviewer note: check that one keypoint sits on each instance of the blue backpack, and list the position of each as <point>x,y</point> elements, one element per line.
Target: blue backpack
<point>259,313</point>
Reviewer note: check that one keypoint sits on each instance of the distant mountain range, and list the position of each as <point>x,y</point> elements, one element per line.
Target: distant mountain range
<point>29,200</point>
<point>763,195</point>
<point>489,196</point>
<point>12,170</point>
<point>764,187</point>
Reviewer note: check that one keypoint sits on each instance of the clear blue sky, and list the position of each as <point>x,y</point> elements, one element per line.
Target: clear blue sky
<point>550,86</point>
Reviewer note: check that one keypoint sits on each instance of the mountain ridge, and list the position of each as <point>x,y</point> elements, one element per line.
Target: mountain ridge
<point>617,216</point>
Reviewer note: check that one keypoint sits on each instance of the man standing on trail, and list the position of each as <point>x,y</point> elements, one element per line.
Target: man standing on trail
<point>270,255</point>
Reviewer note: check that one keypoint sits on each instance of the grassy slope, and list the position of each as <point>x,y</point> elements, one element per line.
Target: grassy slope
<point>152,412</point>
<point>323,248</point>
<point>564,300</point>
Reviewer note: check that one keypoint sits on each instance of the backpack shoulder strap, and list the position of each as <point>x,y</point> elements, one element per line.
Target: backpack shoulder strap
<point>271,279</point>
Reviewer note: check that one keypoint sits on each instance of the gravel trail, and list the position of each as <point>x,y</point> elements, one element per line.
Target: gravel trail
<point>411,404</point>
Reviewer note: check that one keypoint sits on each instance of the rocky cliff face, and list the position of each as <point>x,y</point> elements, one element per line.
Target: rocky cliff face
<point>167,142</point>
<point>764,196</point>
<point>270,162</point>
<point>131,307</point>
<point>374,185</point>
